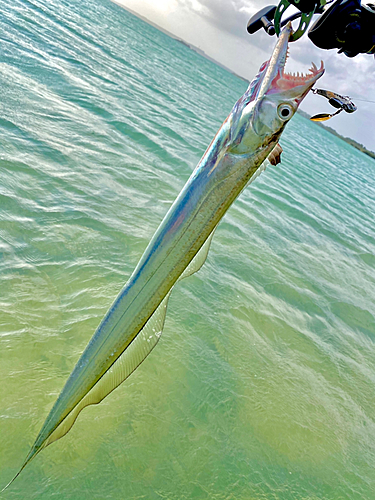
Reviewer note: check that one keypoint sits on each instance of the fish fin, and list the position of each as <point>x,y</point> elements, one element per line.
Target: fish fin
<point>124,366</point>
<point>130,359</point>
<point>134,354</point>
<point>258,171</point>
<point>200,258</point>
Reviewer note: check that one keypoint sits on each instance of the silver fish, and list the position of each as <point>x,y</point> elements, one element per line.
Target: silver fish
<point>133,324</point>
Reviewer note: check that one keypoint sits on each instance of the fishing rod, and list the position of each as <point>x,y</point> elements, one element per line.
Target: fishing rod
<point>343,24</point>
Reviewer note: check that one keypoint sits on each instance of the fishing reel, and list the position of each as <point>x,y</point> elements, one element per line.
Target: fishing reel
<point>346,24</point>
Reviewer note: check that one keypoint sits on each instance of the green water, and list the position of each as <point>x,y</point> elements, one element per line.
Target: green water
<point>262,386</point>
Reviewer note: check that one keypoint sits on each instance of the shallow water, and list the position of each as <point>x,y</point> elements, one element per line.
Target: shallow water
<point>262,386</point>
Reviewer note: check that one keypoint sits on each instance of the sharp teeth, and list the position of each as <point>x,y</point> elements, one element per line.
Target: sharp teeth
<point>314,67</point>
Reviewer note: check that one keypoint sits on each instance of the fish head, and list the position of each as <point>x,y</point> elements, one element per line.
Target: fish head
<point>260,115</point>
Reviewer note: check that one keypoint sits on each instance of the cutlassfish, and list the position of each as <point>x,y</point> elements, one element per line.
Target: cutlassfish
<point>132,326</point>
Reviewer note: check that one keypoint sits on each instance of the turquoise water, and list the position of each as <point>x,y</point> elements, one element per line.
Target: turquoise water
<point>262,386</point>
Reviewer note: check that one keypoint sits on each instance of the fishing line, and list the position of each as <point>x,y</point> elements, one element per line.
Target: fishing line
<point>364,100</point>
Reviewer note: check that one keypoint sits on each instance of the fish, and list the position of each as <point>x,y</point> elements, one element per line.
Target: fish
<point>132,326</point>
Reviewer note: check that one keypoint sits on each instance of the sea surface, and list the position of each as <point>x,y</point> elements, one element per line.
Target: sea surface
<point>262,386</point>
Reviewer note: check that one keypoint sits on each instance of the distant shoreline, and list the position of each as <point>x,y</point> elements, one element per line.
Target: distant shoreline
<point>178,39</point>
<point>348,140</point>
<point>196,49</point>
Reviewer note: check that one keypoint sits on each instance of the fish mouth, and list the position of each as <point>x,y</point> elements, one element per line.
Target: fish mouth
<point>296,83</point>
<point>277,80</point>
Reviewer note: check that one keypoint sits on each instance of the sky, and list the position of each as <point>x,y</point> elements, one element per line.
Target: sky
<point>218,27</point>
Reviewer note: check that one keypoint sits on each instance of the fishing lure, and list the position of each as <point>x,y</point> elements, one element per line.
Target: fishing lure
<point>342,103</point>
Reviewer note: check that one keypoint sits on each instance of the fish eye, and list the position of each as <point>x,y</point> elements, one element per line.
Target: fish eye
<point>285,111</point>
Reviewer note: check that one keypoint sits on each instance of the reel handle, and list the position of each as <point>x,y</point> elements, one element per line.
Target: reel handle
<point>263,19</point>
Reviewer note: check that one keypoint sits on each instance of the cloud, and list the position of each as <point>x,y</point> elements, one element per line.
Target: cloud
<point>349,76</point>
<point>219,28</point>
<point>231,16</point>
<point>354,77</point>
<point>228,15</point>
